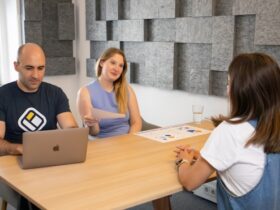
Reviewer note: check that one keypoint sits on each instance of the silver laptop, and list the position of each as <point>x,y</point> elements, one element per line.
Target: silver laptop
<point>54,147</point>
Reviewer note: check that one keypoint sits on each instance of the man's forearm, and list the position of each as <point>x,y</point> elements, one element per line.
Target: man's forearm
<point>7,148</point>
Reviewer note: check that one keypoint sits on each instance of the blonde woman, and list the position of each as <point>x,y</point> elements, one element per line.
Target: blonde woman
<point>110,92</point>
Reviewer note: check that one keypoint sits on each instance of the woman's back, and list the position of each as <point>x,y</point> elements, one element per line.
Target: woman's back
<point>239,167</point>
<point>265,195</point>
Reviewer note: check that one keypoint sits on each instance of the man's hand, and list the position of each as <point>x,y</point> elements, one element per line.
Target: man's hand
<point>7,148</point>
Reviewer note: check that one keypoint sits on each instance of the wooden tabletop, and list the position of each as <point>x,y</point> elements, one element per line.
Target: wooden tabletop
<point>119,173</point>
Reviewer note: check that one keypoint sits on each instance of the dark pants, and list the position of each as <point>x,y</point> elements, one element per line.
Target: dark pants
<point>24,204</point>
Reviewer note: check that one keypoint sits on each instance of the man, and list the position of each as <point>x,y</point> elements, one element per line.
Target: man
<point>29,104</point>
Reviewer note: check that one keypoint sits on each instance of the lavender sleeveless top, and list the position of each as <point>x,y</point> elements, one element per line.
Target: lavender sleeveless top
<point>106,101</point>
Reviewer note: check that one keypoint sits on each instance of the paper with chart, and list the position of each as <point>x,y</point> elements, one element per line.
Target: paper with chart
<point>173,133</point>
<point>100,114</point>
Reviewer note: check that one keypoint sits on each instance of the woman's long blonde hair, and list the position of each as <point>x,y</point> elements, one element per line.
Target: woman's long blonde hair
<point>120,85</point>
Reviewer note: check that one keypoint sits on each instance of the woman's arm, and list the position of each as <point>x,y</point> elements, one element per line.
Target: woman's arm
<point>85,110</point>
<point>195,170</point>
<point>135,118</point>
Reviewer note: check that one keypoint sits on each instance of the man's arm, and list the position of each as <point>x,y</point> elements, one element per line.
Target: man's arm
<point>7,148</point>
<point>66,120</point>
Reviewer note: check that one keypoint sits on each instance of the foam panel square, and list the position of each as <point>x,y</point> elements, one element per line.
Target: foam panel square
<point>60,66</point>
<point>66,27</point>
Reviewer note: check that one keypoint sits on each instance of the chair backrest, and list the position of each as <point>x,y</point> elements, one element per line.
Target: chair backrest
<point>147,126</point>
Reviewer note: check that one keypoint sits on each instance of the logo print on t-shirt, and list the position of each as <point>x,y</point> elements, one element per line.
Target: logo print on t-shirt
<point>32,120</point>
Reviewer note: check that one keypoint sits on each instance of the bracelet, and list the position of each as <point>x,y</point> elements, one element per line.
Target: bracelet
<point>180,162</point>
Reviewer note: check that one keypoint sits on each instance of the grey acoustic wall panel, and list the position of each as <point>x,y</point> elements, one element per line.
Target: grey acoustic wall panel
<point>115,44</point>
<point>53,30</point>
<point>268,23</point>
<point>33,10</point>
<point>112,30</point>
<point>135,51</point>
<point>268,7</point>
<point>184,44</point>
<point>155,63</point>
<point>224,29</point>
<point>147,9</point>
<point>198,81</point>
<point>50,21</point>
<point>194,81</point>
<point>267,29</point>
<point>96,49</point>
<point>97,31</point>
<point>91,15</point>
<point>218,83</point>
<point>129,74</point>
<point>131,30</point>
<point>33,31</point>
<point>91,67</point>
<point>223,7</point>
<point>95,10</point>
<point>194,30</point>
<point>124,9</point>
<point>198,62</point>
<point>66,27</point>
<point>159,64</point>
<point>244,33</point>
<point>222,54</point>
<point>101,9</point>
<point>112,9</point>
<point>274,51</point>
<point>136,69</point>
<point>184,8</point>
<point>203,7</point>
<point>56,48</point>
<point>192,69</point>
<point>62,65</point>
<point>222,42</point>
<point>161,30</point>
<point>241,7</point>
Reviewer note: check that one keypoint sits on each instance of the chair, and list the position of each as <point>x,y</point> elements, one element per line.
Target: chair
<point>9,196</point>
<point>148,126</point>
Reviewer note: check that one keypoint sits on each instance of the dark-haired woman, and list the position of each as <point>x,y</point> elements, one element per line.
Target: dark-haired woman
<point>244,149</point>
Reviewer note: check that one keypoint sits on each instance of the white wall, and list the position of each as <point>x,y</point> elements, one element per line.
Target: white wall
<point>157,106</point>
<point>9,38</point>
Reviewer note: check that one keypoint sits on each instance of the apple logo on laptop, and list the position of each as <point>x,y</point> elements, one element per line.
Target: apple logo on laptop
<point>56,148</point>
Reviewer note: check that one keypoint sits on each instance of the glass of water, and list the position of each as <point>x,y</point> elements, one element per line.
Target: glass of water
<point>197,113</point>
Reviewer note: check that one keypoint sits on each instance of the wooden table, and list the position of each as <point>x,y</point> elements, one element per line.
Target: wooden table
<point>119,173</point>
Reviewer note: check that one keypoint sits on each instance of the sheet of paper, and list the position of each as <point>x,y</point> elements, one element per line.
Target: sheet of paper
<point>173,133</point>
<point>100,114</point>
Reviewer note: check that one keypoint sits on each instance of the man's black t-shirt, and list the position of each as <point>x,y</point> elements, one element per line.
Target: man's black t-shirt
<point>23,111</point>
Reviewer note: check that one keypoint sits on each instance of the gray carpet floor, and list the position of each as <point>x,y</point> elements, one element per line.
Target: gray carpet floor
<point>183,201</point>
